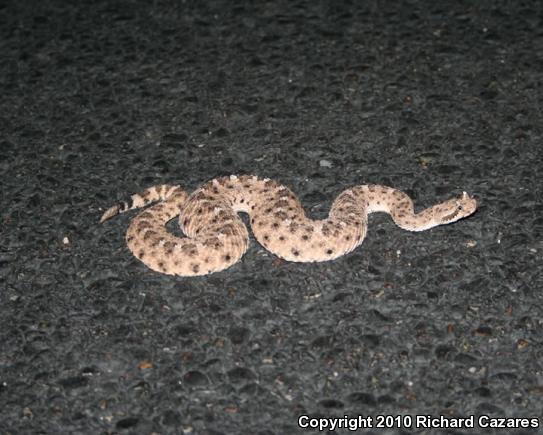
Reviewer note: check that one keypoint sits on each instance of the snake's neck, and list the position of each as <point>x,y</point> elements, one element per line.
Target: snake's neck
<point>415,221</point>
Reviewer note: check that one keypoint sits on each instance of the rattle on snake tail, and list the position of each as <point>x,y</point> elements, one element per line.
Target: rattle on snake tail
<point>216,236</point>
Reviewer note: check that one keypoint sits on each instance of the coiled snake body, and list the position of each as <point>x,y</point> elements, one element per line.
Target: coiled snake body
<point>216,237</point>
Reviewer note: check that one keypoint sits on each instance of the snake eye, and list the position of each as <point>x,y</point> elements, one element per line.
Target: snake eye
<point>460,207</point>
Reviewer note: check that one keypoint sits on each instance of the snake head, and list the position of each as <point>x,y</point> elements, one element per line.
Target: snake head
<point>456,208</point>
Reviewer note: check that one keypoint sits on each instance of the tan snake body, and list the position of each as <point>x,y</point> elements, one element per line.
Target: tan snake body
<point>216,237</point>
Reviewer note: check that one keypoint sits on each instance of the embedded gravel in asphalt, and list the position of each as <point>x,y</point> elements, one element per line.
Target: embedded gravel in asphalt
<point>102,99</point>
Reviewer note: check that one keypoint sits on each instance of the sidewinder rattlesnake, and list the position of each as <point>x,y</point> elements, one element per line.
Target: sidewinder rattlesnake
<point>217,237</point>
